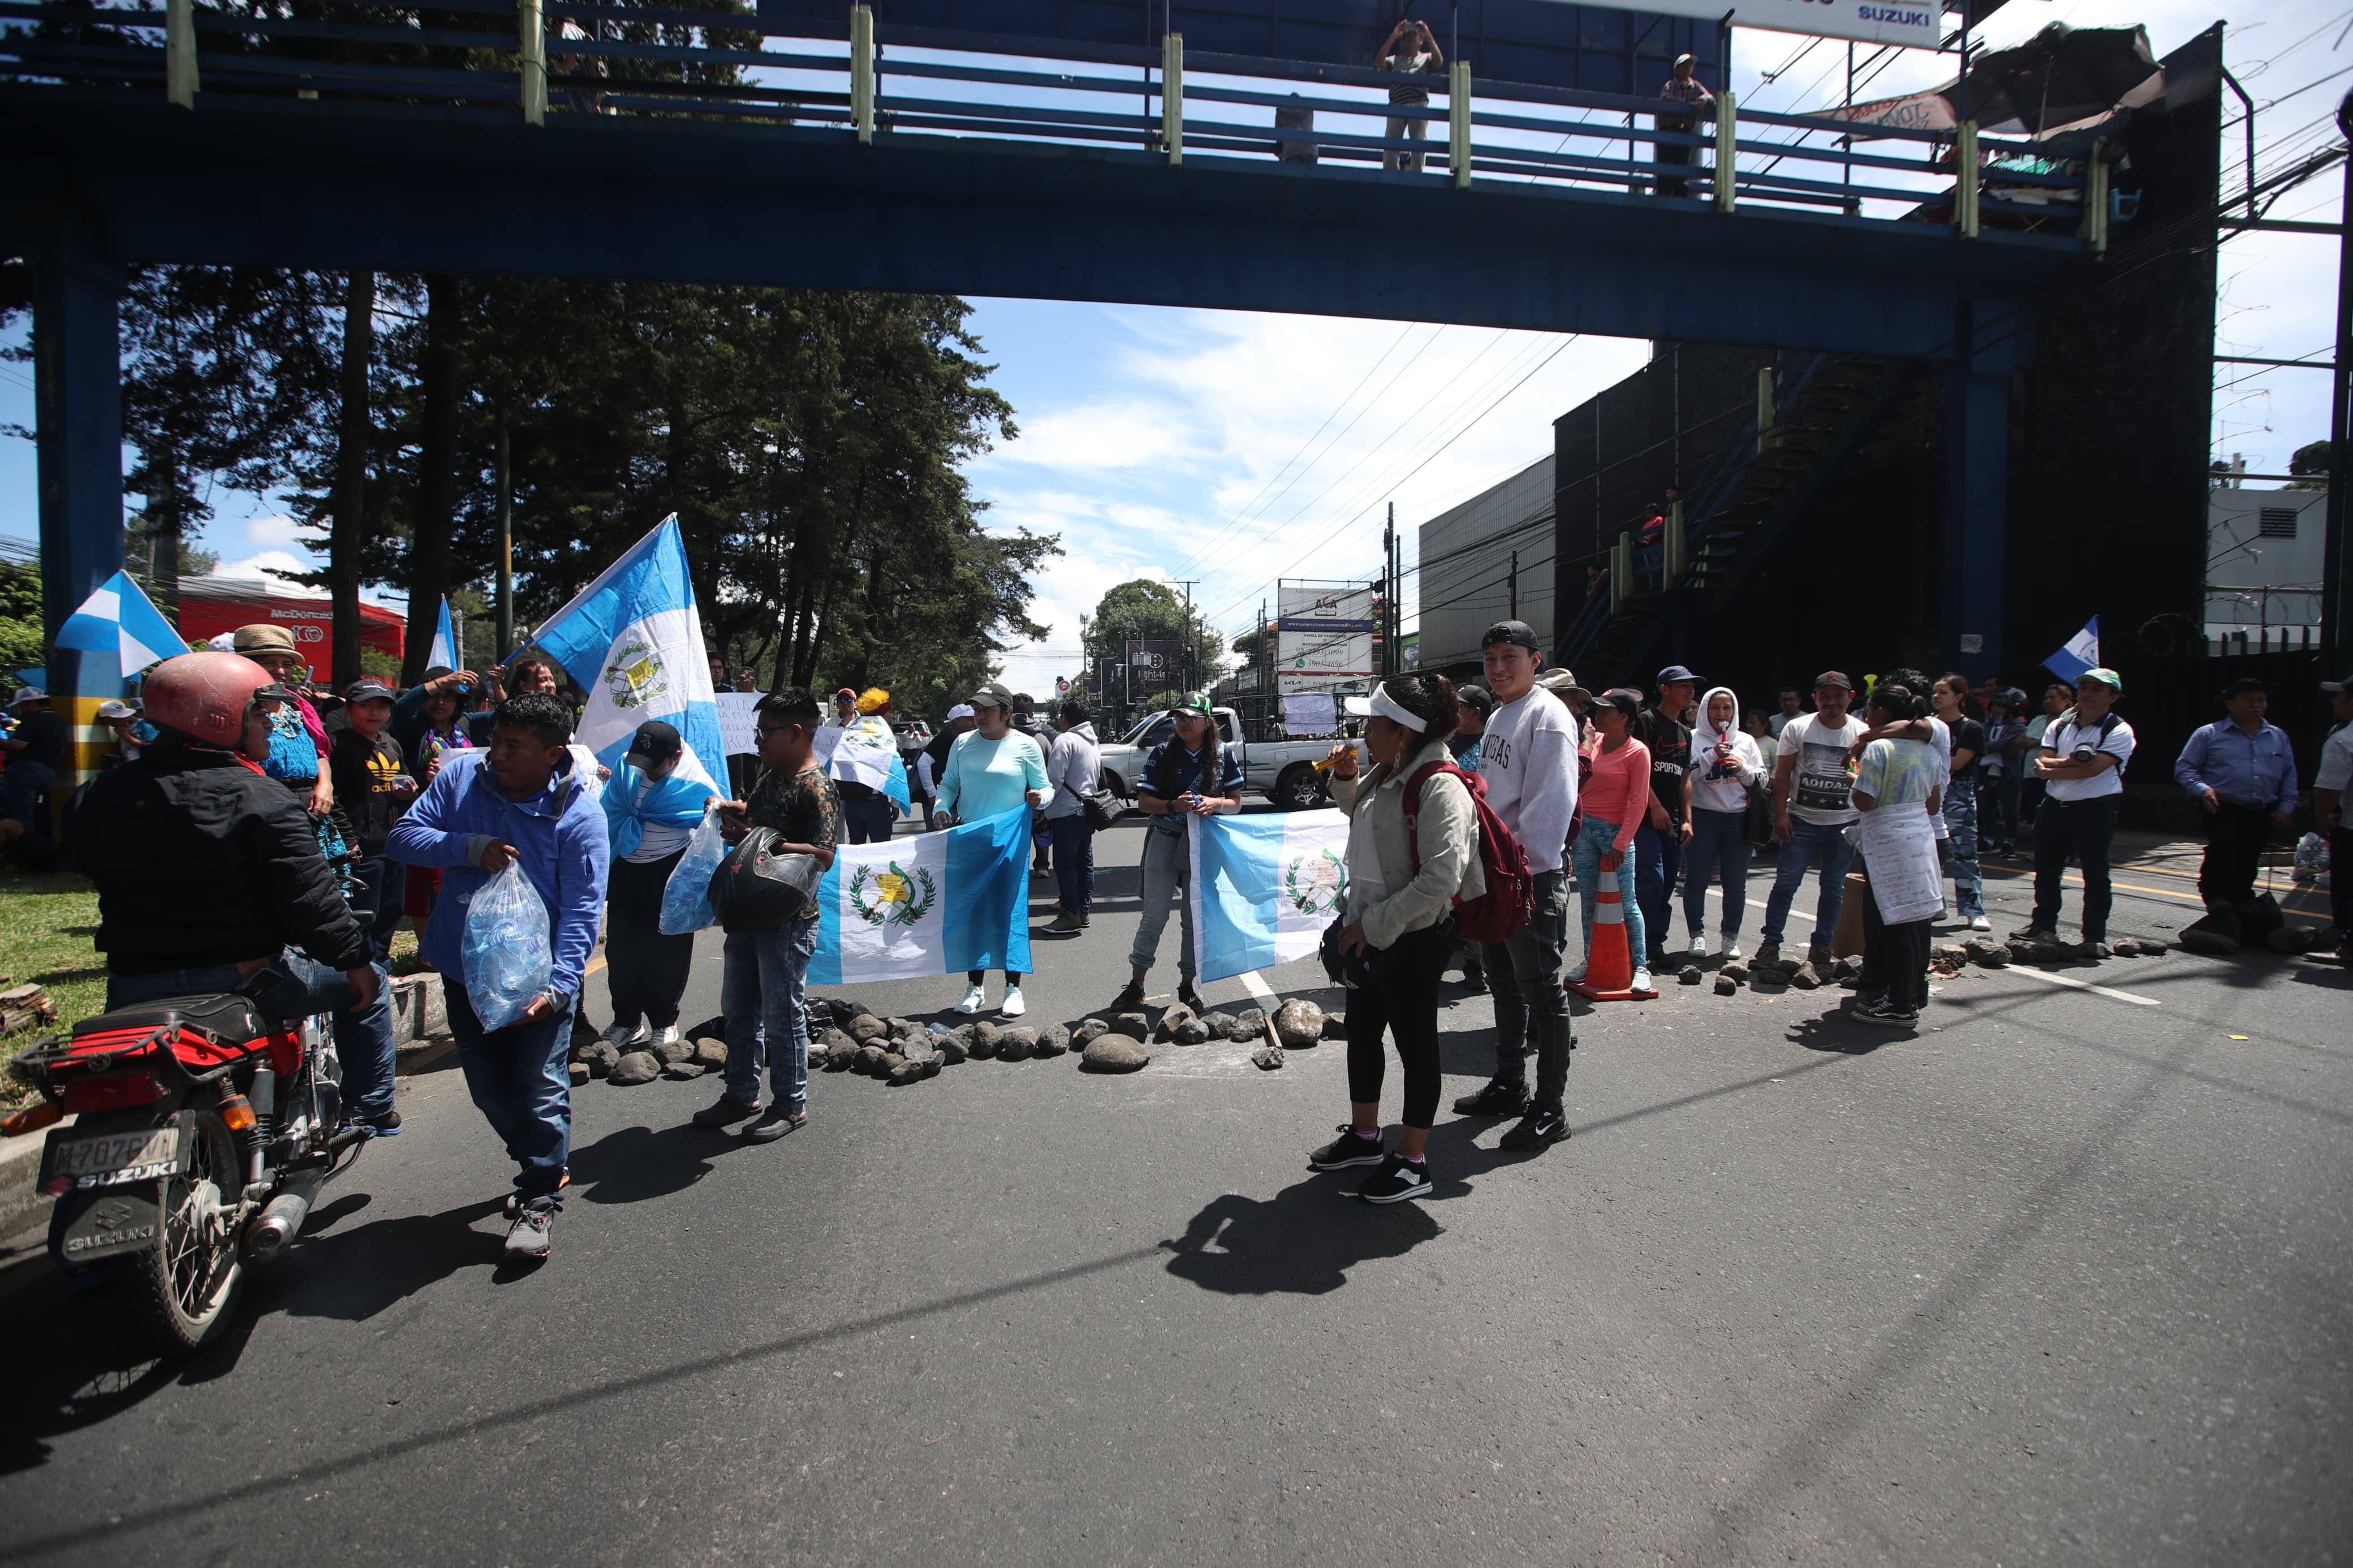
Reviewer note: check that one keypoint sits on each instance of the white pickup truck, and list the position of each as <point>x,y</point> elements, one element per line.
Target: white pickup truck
<point>1282,770</point>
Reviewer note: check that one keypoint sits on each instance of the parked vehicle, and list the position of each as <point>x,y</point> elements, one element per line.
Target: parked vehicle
<point>202,1129</point>
<point>1284,772</point>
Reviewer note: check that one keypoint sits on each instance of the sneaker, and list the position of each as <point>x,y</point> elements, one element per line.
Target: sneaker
<point>1013,1006</point>
<point>1130,998</point>
<point>1641,981</point>
<point>1768,953</point>
<point>1501,1097</point>
<point>1731,951</point>
<point>1540,1129</point>
<point>1351,1147</point>
<point>1576,976</point>
<point>773,1123</point>
<point>973,1001</point>
<point>528,1239</point>
<point>2034,933</point>
<point>1876,1011</point>
<point>627,1037</point>
<point>1978,922</point>
<point>2094,948</point>
<point>1397,1178</point>
<point>1698,944</point>
<point>1188,997</point>
<point>667,1034</point>
<point>385,1124</point>
<point>1067,922</point>
<point>727,1112</point>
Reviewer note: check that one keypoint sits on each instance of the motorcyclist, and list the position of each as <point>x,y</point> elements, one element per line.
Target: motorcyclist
<point>207,870</point>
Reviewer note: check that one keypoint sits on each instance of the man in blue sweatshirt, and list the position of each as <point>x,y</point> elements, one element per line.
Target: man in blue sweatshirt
<point>519,800</point>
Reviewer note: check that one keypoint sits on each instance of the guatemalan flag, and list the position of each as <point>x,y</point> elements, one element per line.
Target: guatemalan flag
<point>120,620</point>
<point>2082,653</point>
<point>631,638</point>
<point>936,903</point>
<point>1264,888</point>
<point>444,652</point>
<point>867,752</point>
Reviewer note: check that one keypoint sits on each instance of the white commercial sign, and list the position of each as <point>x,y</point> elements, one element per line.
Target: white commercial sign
<point>1325,635</point>
<point>1920,26</point>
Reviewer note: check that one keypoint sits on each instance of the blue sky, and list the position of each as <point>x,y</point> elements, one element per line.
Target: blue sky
<point>1232,449</point>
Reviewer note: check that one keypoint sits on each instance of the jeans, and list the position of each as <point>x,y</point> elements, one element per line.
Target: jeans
<point>1167,874</point>
<point>1524,974</point>
<point>1999,803</point>
<point>522,1083</point>
<point>1961,821</point>
<point>2087,827</point>
<point>1895,958</point>
<point>2340,878</point>
<point>362,1039</point>
<point>1658,856</point>
<point>21,789</point>
<point>1404,131</point>
<point>760,990</point>
<point>1593,841</point>
<point>1716,844</point>
<point>1671,185</point>
<point>1806,840</point>
<point>644,971</point>
<point>383,890</point>
<point>2235,836</point>
<point>1074,861</point>
<point>1404,1000</point>
<point>868,821</point>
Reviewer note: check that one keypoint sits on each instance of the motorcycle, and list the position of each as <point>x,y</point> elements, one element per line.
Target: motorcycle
<point>204,1128</point>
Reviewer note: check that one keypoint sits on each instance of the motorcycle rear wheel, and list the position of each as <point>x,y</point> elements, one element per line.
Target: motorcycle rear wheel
<point>190,1279</point>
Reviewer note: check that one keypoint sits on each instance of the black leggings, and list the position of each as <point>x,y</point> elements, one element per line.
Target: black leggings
<point>1403,999</point>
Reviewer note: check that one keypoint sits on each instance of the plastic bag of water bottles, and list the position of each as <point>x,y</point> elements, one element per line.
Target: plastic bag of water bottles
<point>506,953</point>
<point>686,897</point>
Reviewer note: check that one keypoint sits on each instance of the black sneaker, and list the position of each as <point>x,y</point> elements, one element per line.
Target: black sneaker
<point>1474,979</point>
<point>529,1239</point>
<point>1397,1180</point>
<point>386,1125</point>
<point>727,1112</point>
<point>1188,996</point>
<point>1501,1097</point>
<point>1540,1129</point>
<point>1130,998</point>
<point>1879,1012</point>
<point>1348,1149</point>
<point>773,1123</point>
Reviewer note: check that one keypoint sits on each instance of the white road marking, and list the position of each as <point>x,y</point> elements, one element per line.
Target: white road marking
<point>1257,987</point>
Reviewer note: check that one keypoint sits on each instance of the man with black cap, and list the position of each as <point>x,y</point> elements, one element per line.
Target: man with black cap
<point>650,813</point>
<point>2328,787</point>
<point>373,788</point>
<point>2240,770</point>
<point>1527,759</point>
<point>1684,89</point>
<point>1667,827</point>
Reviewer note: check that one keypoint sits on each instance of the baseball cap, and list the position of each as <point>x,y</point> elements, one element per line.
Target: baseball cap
<point>28,694</point>
<point>2344,685</point>
<point>262,637</point>
<point>1518,632</point>
<point>1832,677</point>
<point>1625,700</point>
<point>961,710</point>
<point>654,744</point>
<point>115,708</point>
<point>369,690</point>
<point>1193,703</point>
<point>845,691</point>
<point>1684,59</point>
<point>2106,676</point>
<point>2245,683</point>
<point>224,642</point>
<point>992,694</point>
<point>1676,672</point>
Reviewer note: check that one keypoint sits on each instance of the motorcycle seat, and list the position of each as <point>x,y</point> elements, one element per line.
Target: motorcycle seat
<point>229,1019</point>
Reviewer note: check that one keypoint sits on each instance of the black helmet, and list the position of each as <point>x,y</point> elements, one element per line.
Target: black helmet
<point>756,889</point>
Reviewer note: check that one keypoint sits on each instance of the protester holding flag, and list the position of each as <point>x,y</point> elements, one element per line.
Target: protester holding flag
<point>648,813</point>
<point>994,769</point>
<point>1188,775</point>
<point>1403,882</point>
<point>867,769</point>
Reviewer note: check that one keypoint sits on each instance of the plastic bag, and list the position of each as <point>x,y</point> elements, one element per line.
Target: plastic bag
<point>686,897</point>
<point>506,952</point>
<point>2311,859</point>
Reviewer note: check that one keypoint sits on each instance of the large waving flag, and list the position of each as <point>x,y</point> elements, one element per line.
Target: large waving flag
<point>937,903</point>
<point>867,752</point>
<point>2082,653</point>
<point>120,620</point>
<point>1264,888</point>
<point>444,652</point>
<point>633,640</point>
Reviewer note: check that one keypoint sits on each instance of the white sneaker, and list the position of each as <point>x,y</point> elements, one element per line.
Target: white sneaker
<point>1981,924</point>
<point>1641,981</point>
<point>1731,951</point>
<point>667,1034</point>
<point>973,1001</point>
<point>1574,975</point>
<point>1699,945</point>
<point>627,1037</point>
<point>1013,1006</point>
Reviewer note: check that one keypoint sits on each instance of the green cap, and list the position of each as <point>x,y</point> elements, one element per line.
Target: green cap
<point>2106,676</point>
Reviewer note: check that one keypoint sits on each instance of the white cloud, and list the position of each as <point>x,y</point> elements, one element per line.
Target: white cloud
<point>1087,439</point>
<point>267,562</point>
<point>277,528</point>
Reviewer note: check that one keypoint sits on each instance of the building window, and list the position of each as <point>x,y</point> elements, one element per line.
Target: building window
<point>2278,522</point>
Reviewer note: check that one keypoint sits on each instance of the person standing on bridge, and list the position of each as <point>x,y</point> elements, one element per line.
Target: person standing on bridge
<point>1684,89</point>
<point>1411,48</point>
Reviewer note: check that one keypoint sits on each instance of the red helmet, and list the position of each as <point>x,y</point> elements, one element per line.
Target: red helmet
<point>205,696</point>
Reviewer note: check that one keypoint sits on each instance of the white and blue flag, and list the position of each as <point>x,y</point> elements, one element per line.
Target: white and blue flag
<point>120,620</point>
<point>633,641</point>
<point>937,903</point>
<point>867,752</point>
<point>443,654</point>
<point>1264,888</point>
<point>2082,653</point>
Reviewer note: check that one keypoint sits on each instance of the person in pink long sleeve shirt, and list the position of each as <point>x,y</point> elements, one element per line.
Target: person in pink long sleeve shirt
<point>1616,799</point>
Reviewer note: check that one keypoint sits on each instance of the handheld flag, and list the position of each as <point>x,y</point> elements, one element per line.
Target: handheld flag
<point>120,620</point>
<point>1264,888</point>
<point>444,652</point>
<point>937,903</point>
<point>867,752</point>
<point>2082,653</point>
<point>633,640</point>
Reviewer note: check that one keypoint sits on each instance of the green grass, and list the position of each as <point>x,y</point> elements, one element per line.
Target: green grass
<point>45,926</point>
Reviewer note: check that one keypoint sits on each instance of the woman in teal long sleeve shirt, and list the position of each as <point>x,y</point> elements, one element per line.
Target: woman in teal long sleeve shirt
<point>993,768</point>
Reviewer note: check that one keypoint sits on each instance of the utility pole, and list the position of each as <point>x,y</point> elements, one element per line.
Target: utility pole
<point>2336,611</point>
<point>1186,582</point>
<point>1388,594</point>
<point>506,544</point>
<point>1516,584</point>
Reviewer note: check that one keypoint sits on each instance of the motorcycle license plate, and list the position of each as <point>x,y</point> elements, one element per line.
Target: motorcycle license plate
<point>109,1159</point>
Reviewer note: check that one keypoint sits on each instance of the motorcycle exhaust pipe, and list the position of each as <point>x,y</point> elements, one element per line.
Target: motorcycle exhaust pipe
<point>270,1235</point>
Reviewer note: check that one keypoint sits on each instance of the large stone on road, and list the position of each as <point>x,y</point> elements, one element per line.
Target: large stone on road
<point>637,1067</point>
<point>1115,1053</point>
<point>1298,1024</point>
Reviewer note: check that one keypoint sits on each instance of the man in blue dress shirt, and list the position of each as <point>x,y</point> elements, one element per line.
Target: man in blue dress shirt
<point>2242,772</point>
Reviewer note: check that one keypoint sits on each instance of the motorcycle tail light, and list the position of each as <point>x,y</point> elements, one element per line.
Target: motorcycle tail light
<point>237,1112</point>
<point>112,1091</point>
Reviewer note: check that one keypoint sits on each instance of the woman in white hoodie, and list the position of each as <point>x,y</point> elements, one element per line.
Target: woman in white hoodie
<point>1724,762</point>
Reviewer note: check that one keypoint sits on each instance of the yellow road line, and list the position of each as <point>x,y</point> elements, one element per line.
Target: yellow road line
<point>2287,901</point>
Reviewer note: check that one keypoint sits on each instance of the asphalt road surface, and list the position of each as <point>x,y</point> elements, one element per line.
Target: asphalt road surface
<point>2062,1279</point>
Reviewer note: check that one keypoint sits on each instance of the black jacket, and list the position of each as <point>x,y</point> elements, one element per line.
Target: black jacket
<point>200,860</point>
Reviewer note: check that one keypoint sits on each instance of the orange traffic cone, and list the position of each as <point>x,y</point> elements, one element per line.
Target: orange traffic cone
<point>1608,963</point>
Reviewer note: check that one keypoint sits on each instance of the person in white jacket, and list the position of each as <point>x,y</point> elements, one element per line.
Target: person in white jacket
<point>1725,765</point>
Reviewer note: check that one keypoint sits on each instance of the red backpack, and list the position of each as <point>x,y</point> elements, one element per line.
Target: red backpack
<point>1503,909</point>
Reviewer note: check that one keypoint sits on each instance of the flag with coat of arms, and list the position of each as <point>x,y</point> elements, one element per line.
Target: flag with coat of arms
<point>1265,888</point>
<point>932,903</point>
<point>633,641</point>
<point>2082,653</point>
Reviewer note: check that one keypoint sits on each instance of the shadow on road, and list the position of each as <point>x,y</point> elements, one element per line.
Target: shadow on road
<point>634,1163</point>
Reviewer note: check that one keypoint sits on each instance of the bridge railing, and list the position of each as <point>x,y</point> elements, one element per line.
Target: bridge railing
<point>575,63</point>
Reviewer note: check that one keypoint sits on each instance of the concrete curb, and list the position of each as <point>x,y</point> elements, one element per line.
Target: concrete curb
<point>21,1205</point>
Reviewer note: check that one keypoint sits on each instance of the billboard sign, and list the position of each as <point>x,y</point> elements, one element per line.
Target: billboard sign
<point>1919,25</point>
<point>1324,633</point>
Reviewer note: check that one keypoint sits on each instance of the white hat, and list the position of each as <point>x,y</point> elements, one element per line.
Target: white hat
<point>114,708</point>
<point>28,694</point>
<point>225,643</point>
<point>961,710</point>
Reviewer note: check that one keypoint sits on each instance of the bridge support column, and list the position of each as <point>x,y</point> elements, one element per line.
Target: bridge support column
<point>77,416</point>
<point>1977,485</point>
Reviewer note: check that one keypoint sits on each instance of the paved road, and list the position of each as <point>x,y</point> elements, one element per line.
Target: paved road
<point>2064,1278</point>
